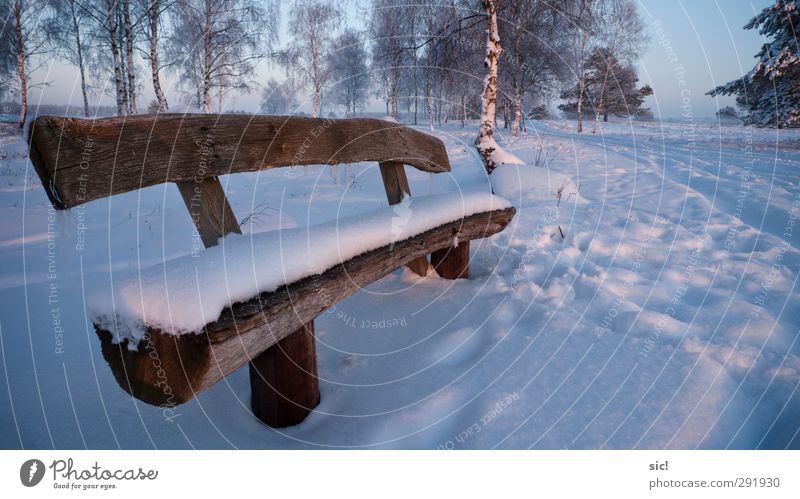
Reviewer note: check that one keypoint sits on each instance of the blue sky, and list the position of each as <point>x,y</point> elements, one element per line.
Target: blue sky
<point>707,41</point>
<point>708,47</point>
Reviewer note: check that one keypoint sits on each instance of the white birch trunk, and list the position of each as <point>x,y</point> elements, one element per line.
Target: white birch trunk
<point>429,106</point>
<point>76,32</point>
<point>21,62</point>
<point>463,110</point>
<point>111,28</point>
<point>485,143</point>
<point>515,128</point>
<point>207,61</point>
<point>315,102</point>
<point>126,14</point>
<point>154,69</point>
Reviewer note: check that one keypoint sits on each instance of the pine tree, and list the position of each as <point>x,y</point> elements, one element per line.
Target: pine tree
<point>770,93</point>
<point>610,89</point>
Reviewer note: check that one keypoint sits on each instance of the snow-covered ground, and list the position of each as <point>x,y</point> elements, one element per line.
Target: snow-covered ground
<point>666,316</point>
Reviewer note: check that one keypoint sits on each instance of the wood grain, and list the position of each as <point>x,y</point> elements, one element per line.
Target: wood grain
<point>395,183</point>
<point>188,364</point>
<point>79,160</point>
<point>452,262</point>
<point>209,209</point>
<point>284,385</point>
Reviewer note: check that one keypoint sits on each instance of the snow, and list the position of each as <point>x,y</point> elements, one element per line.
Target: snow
<point>519,183</point>
<point>665,317</point>
<point>499,155</point>
<point>184,294</point>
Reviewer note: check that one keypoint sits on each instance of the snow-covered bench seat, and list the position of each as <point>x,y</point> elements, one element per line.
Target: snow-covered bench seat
<point>181,326</point>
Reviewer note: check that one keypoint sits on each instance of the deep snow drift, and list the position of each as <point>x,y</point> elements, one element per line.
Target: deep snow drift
<point>646,297</point>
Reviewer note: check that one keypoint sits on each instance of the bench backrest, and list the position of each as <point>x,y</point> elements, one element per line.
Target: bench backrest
<point>80,160</point>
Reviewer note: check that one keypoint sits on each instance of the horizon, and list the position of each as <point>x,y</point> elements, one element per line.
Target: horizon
<point>680,69</point>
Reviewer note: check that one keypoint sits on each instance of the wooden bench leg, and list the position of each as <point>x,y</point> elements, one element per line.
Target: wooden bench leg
<point>452,262</point>
<point>283,380</point>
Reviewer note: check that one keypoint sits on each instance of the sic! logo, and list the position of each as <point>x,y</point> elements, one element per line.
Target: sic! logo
<point>31,472</point>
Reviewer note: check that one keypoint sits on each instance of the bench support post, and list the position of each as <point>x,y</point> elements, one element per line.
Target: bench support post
<point>208,206</point>
<point>452,262</point>
<point>396,184</point>
<point>283,380</point>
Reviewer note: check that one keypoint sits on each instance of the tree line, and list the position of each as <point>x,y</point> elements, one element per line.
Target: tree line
<point>424,59</point>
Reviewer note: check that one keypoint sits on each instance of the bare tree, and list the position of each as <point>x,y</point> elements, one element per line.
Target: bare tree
<point>582,15</point>
<point>154,14</point>
<point>278,98</point>
<point>106,16</point>
<point>217,43</point>
<point>532,61</point>
<point>69,33</point>
<point>350,71</point>
<point>106,20</point>
<point>128,38</point>
<point>24,44</point>
<point>620,31</point>
<point>386,32</point>
<point>113,34</point>
<point>312,25</point>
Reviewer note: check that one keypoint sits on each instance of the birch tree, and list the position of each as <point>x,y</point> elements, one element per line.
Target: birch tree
<point>487,147</point>
<point>532,63</point>
<point>106,17</point>
<point>312,27</point>
<point>386,32</point>
<point>105,20</point>
<point>155,12</point>
<point>278,98</point>
<point>216,45</point>
<point>24,44</point>
<point>128,37</point>
<point>72,40</point>
<point>349,70</point>
<point>582,17</point>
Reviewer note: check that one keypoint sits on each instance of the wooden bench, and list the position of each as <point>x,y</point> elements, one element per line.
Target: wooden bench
<point>81,160</point>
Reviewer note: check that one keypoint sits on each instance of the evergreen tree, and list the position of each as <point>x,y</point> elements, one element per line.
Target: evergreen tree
<point>610,88</point>
<point>770,93</point>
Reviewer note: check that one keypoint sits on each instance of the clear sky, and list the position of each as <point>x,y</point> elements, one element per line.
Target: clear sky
<point>708,48</point>
<point>694,46</point>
